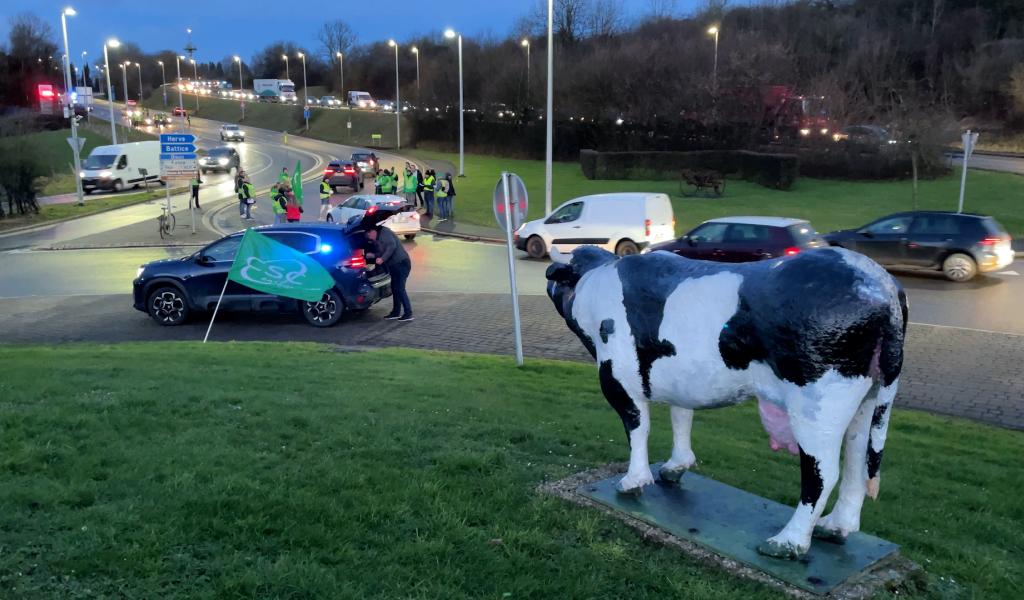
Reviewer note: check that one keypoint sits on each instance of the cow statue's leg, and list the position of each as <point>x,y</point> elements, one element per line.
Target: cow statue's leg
<point>636,418</point>
<point>845,516</point>
<point>819,418</point>
<point>682,454</point>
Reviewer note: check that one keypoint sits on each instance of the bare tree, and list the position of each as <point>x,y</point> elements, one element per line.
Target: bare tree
<point>30,37</point>
<point>661,9</point>
<point>604,18</point>
<point>335,36</point>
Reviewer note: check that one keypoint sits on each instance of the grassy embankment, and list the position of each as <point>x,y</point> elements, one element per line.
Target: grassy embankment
<point>828,204</point>
<point>185,470</point>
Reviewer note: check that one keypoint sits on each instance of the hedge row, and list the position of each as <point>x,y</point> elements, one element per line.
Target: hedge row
<point>778,171</point>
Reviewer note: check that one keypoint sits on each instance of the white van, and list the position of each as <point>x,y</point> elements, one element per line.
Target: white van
<point>361,100</point>
<point>623,223</point>
<point>120,166</point>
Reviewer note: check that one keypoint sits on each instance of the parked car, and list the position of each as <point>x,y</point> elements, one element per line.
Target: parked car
<point>367,162</point>
<point>345,174</point>
<point>223,158</point>
<point>179,111</point>
<point>329,101</point>
<point>624,223</point>
<point>959,245</point>
<point>231,133</point>
<point>745,239</point>
<point>405,221</point>
<point>169,290</point>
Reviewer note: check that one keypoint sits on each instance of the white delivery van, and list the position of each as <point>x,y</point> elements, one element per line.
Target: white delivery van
<point>623,223</point>
<point>361,100</point>
<point>120,166</point>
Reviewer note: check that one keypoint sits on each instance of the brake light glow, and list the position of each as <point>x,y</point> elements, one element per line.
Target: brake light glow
<point>371,210</point>
<point>791,251</point>
<point>647,227</point>
<point>414,215</point>
<point>46,93</point>
<point>350,171</point>
<point>990,241</point>
<point>356,261</point>
<point>328,172</point>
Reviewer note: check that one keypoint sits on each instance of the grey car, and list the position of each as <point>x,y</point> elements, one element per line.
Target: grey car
<point>224,158</point>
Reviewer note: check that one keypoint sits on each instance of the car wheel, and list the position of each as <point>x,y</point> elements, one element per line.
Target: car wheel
<point>535,247</point>
<point>626,248</point>
<point>330,218</point>
<point>86,192</point>
<point>168,306</point>
<point>118,186</point>
<point>959,267</point>
<point>326,311</point>
<point>410,236</point>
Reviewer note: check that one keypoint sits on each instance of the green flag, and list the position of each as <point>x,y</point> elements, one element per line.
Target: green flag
<point>269,266</point>
<point>297,182</point>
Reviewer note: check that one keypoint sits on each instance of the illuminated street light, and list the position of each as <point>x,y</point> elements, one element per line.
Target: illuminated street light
<point>525,43</point>
<point>163,79</point>
<point>713,30</point>
<point>416,51</point>
<point>398,99</point>
<point>111,43</point>
<point>287,72</point>
<point>341,71</point>
<point>451,34</point>
<point>305,91</point>
<point>70,104</point>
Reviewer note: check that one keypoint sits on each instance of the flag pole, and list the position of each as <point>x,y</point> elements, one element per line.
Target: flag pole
<point>221,297</point>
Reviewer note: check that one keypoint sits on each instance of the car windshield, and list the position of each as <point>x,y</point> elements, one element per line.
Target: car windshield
<point>327,98</point>
<point>231,127</point>
<point>287,88</point>
<point>220,152</point>
<point>99,161</point>
<point>361,157</point>
<point>362,96</point>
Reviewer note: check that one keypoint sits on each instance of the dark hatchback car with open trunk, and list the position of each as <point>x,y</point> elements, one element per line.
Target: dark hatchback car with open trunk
<point>961,245</point>
<point>744,239</point>
<point>169,290</point>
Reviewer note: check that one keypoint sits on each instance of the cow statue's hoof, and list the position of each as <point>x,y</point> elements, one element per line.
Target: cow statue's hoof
<point>671,474</point>
<point>784,550</point>
<point>826,534</point>
<point>634,484</point>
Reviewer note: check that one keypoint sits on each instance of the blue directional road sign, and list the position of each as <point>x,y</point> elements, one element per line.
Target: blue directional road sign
<point>305,113</point>
<point>177,148</point>
<point>177,155</point>
<point>177,138</point>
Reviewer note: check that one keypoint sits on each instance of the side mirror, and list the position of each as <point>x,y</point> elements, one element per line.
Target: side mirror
<point>691,241</point>
<point>866,233</point>
<point>204,260</point>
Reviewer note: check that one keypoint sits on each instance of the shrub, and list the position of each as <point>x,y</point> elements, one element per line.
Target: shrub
<point>777,171</point>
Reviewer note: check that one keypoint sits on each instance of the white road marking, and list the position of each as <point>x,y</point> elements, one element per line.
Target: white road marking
<point>1010,273</point>
<point>967,329</point>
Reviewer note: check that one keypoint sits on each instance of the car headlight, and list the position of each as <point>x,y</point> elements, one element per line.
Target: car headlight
<point>139,272</point>
<point>222,162</point>
<point>805,132</point>
<point>241,134</point>
<point>105,174</point>
<point>824,131</point>
<point>81,173</point>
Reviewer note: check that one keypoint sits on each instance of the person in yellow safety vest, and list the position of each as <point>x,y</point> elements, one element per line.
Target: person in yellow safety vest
<point>428,191</point>
<point>387,185</point>
<point>284,177</point>
<point>409,184</point>
<point>246,200</point>
<point>275,203</point>
<point>442,200</point>
<point>325,198</point>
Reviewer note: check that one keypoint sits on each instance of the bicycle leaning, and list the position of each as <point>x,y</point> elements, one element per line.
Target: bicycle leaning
<point>165,222</point>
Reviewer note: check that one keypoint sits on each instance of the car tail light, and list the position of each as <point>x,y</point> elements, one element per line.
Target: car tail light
<point>791,251</point>
<point>647,227</point>
<point>991,241</point>
<point>356,261</point>
<point>328,172</point>
<point>371,210</point>
<point>350,171</point>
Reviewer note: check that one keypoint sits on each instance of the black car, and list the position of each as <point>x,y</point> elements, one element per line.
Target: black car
<point>224,158</point>
<point>745,239</point>
<point>170,289</point>
<point>960,245</point>
<point>368,162</point>
<point>346,174</point>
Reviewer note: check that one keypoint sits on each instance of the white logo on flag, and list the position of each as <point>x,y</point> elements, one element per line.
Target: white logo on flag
<point>286,273</point>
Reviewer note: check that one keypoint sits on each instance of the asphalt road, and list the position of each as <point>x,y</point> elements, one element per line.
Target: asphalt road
<point>988,162</point>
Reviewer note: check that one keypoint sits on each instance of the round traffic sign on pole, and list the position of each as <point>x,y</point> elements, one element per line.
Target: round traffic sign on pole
<point>518,201</point>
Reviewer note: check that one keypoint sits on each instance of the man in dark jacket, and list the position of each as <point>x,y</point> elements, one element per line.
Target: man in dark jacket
<point>387,250</point>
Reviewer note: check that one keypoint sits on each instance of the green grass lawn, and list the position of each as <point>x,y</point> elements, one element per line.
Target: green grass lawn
<point>828,204</point>
<point>185,470</point>
<point>54,212</point>
<point>328,125</point>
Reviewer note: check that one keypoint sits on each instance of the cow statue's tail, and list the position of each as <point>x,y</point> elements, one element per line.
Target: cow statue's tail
<point>885,392</point>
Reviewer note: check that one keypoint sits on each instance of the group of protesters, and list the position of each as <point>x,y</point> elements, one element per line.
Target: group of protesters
<point>421,189</point>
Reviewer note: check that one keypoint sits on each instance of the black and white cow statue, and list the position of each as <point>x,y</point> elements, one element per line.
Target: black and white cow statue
<point>817,338</point>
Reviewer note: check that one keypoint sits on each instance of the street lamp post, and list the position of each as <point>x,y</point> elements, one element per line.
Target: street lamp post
<point>341,71</point>
<point>139,67</point>
<point>195,82</point>
<point>111,43</point>
<point>305,91</point>
<point>526,44</point>
<point>241,84</point>
<point>713,30</point>
<point>70,12</point>
<point>82,70</point>
<point>287,72</point>
<point>181,103</point>
<point>124,80</point>
<point>416,51</point>
<point>163,78</point>
<point>549,115</point>
<point>398,99</point>
<point>450,34</point>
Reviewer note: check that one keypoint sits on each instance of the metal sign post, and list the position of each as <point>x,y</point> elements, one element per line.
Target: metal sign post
<point>969,140</point>
<point>177,162</point>
<point>510,203</point>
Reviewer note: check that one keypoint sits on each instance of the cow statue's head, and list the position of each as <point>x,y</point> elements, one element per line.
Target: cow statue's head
<point>564,274</point>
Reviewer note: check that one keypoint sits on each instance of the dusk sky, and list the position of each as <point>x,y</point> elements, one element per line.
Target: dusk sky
<point>222,28</point>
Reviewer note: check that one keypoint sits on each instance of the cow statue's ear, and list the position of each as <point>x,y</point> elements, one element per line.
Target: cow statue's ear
<point>561,273</point>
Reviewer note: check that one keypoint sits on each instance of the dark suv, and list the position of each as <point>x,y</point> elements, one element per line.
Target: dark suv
<point>345,173</point>
<point>368,162</point>
<point>169,289</point>
<point>223,158</point>
<point>959,245</point>
<point>744,239</point>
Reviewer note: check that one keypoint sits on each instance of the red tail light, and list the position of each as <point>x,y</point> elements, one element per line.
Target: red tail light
<point>990,241</point>
<point>791,251</point>
<point>371,210</point>
<point>46,93</point>
<point>328,172</point>
<point>647,227</point>
<point>414,215</point>
<point>356,261</point>
<point>350,171</point>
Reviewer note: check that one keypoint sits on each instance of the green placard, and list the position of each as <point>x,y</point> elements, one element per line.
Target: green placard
<point>375,136</point>
<point>732,522</point>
